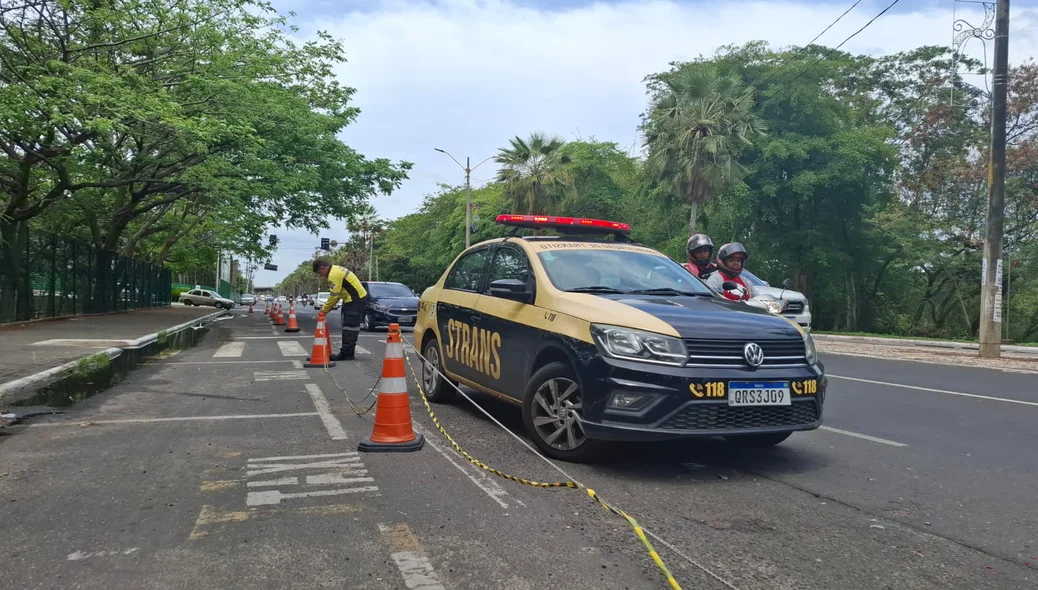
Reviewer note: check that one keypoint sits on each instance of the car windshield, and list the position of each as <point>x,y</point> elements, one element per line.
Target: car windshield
<point>389,290</point>
<point>752,279</point>
<point>323,295</point>
<point>618,270</point>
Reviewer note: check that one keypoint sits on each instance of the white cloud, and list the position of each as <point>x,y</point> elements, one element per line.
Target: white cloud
<point>466,75</point>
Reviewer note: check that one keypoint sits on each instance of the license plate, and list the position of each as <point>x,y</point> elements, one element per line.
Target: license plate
<point>406,319</point>
<point>758,393</point>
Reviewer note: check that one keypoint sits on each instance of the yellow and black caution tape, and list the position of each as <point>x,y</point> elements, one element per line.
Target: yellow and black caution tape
<point>354,405</point>
<point>638,530</point>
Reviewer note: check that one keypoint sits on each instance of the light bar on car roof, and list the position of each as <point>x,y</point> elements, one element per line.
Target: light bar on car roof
<point>556,222</point>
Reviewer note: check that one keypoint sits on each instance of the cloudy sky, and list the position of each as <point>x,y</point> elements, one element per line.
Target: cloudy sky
<point>466,75</point>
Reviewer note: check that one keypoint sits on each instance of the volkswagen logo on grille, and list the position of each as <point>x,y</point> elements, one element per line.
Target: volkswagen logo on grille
<point>753,354</point>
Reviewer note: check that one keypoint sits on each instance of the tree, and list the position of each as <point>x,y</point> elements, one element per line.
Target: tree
<point>533,173</point>
<point>696,125</point>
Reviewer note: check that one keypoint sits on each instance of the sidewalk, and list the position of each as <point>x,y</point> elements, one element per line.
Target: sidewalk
<point>28,349</point>
<point>1008,350</point>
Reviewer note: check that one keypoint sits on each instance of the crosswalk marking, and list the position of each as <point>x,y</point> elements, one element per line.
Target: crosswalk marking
<point>230,350</point>
<point>343,470</point>
<point>291,348</point>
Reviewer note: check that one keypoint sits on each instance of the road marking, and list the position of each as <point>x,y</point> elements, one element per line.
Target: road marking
<point>259,376</point>
<point>291,348</point>
<point>272,497</point>
<point>932,390</point>
<point>266,468</point>
<point>285,481</point>
<point>331,423</point>
<point>477,476</point>
<point>216,486</point>
<point>230,362</point>
<point>279,337</point>
<point>77,555</point>
<point>231,349</point>
<point>210,516</point>
<point>177,419</point>
<point>414,566</point>
<point>294,457</point>
<point>361,350</point>
<point>330,479</point>
<point>874,439</point>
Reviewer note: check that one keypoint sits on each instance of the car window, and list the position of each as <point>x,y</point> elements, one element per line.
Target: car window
<point>389,290</point>
<point>508,263</point>
<point>623,270</point>
<point>468,272</point>
<point>752,279</point>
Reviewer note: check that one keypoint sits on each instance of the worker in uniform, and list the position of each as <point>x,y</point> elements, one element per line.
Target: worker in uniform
<point>347,287</point>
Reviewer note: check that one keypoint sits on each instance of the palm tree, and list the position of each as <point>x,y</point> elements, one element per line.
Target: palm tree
<point>534,174</point>
<point>694,130</point>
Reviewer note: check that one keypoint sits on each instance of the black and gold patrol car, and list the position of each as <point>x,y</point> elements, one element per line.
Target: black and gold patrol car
<point>599,338</point>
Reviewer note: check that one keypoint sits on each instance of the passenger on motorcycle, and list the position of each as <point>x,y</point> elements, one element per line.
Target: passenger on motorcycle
<point>730,260</point>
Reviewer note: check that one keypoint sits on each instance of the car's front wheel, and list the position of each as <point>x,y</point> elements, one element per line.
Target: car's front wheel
<point>368,323</point>
<point>757,441</point>
<point>553,412</point>
<point>436,387</point>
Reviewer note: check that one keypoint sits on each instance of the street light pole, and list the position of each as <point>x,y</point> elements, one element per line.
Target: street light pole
<point>468,168</point>
<point>991,286</point>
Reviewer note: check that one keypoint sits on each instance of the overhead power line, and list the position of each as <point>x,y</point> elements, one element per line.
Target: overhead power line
<point>810,43</point>
<point>842,43</point>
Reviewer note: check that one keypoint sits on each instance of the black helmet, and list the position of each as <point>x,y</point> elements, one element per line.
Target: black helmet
<point>729,250</point>
<point>698,241</point>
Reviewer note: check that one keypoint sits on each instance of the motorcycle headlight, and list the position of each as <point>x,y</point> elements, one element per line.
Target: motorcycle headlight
<point>638,345</point>
<point>809,349</point>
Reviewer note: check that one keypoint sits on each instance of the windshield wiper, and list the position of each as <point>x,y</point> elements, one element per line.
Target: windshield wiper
<point>665,291</point>
<point>594,289</point>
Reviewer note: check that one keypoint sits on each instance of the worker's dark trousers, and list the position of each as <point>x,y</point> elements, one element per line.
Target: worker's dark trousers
<point>351,314</point>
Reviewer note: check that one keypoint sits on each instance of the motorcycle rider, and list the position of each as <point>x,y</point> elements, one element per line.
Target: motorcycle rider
<point>700,248</point>
<point>730,260</point>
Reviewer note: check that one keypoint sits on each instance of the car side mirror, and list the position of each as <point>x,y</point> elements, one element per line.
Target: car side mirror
<point>729,285</point>
<point>787,284</point>
<point>513,289</point>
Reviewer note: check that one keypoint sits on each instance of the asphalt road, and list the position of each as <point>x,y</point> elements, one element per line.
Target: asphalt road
<point>916,488</point>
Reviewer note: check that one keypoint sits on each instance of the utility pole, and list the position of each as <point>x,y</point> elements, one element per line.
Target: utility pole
<point>991,287</point>
<point>468,192</point>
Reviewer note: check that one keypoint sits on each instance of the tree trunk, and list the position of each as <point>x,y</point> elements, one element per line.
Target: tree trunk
<point>692,218</point>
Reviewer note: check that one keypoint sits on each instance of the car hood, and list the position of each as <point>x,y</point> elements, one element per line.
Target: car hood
<point>408,302</point>
<point>690,317</point>
<point>778,293</point>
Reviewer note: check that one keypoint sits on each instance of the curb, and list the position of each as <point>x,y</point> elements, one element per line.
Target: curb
<point>1028,351</point>
<point>54,374</point>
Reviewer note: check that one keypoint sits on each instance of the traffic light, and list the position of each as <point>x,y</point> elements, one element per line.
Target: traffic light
<point>325,244</point>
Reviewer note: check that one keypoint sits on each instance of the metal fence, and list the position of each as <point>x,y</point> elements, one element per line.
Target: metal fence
<point>43,275</point>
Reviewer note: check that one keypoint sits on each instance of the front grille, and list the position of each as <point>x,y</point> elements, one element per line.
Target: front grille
<point>728,353</point>
<point>794,307</point>
<point>723,417</point>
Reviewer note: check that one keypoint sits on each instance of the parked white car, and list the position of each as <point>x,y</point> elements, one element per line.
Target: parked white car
<point>321,298</point>
<point>781,301</point>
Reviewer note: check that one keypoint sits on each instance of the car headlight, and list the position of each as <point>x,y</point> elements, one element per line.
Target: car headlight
<point>380,307</point>
<point>809,349</point>
<point>639,345</point>
<point>770,303</point>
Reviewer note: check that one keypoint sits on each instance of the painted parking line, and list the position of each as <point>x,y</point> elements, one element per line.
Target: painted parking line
<point>176,419</point>
<point>295,375</point>
<point>230,350</point>
<point>291,348</point>
<point>477,476</point>
<point>79,555</point>
<point>875,439</point>
<point>932,390</point>
<point>331,423</point>
<point>407,554</point>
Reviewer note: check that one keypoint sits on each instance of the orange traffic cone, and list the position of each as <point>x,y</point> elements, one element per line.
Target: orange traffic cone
<point>393,430</point>
<point>320,353</point>
<point>250,308</point>
<point>293,324</point>
<point>266,310</point>
<point>329,333</point>
<point>280,319</point>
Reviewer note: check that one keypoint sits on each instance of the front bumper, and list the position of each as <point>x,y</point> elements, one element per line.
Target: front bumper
<point>673,411</point>
<point>384,318</point>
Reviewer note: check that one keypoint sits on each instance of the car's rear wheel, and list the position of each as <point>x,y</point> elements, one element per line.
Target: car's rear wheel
<point>757,441</point>
<point>553,414</point>
<point>434,384</point>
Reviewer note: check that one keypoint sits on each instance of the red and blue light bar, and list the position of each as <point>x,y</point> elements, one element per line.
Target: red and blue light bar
<point>557,222</point>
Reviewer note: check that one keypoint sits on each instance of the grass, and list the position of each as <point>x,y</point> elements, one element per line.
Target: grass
<point>896,337</point>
